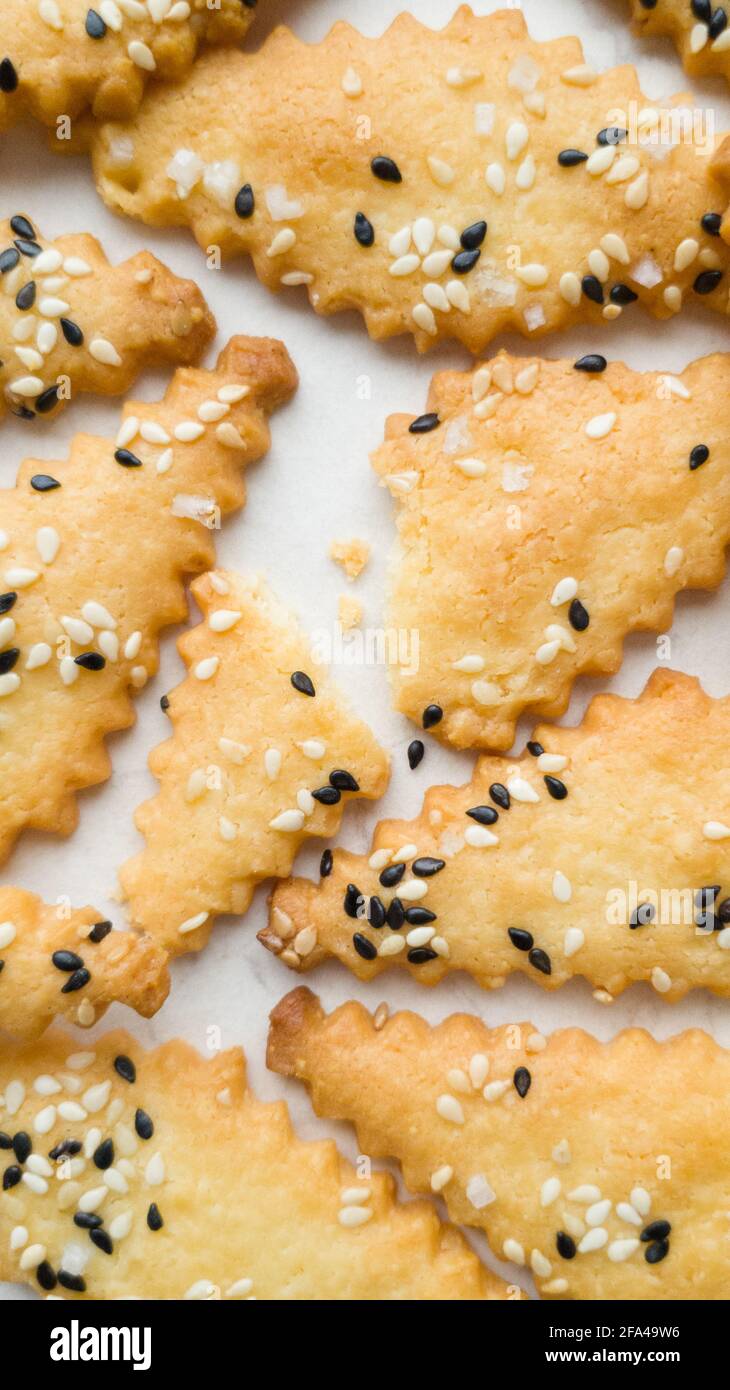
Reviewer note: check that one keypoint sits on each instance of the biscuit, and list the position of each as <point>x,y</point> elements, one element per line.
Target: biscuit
<point>574,877</point>
<point>64,962</point>
<point>132,1174</point>
<point>602,1166</point>
<point>93,552</point>
<point>546,509</point>
<point>71,322</point>
<point>264,754</point>
<point>698,28</point>
<point>59,58</point>
<point>450,185</point>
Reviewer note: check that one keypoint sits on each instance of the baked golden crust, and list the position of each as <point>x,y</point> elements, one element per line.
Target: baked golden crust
<point>528,1137</point>
<point>92,557</point>
<point>249,748</point>
<point>701,38</point>
<point>247,1209</point>
<point>549,885</point>
<point>472,120</point>
<point>97,967</point>
<point>59,57</point>
<point>542,487</point>
<point>70,322</point>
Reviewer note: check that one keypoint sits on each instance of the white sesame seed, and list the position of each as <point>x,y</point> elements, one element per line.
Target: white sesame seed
<point>594,1239</point>
<point>9,683</point>
<point>27,386</point>
<point>550,1191</point>
<point>540,1265</point>
<point>637,193</point>
<point>192,923</point>
<point>33,1257</point>
<point>423,317</point>
<point>626,1212</point>
<point>435,296</point>
<point>223,619</point>
<point>8,933</point>
<point>660,980</point>
<point>441,172</point>
<point>45,1120</point>
<point>512,1250</point>
<point>424,233</point>
<point>458,295</point>
<point>620,1250</point>
<point>115,1181</point>
<point>479,837</point>
<point>282,242</point>
<point>639,1198</point>
<point>698,37</point>
<point>570,288</point>
<point>121,1225</point>
<point>141,55</point>
<point>574,939</point>
<point>494,1090</point>
<point>35,1183</point>
<point>448,1108</point>
<point>587,1193</point>
<point>201,1291</point>
<point>715,830</point>
<point>533,275</point>
<point>552,762</point>
<point>546,653</point>
<point>155,1171</point>
<point>597,1212</point>
<point>18,1237</point>
<point>96,1097</point>
<point>562,888</point>
<point>673,560</point>
<point>615,247</point>
<point>516,138</point>
<point>471,468</point>
<point>227,829</point>
<point>441,1177</point>
<point>420,936</point>
<point>685,253</point>
<point>412,890</point>
<point>520,790</point>
<point>470,664</point>
<point>600,425</point>
<point>206,669</point>
<point>405,265</point>
<point>392,946</point>
<point>71,1110</point>
<point>291,821</point>
<point>579,76</point>
<point>153,433</point>
<point>79,631</point>
<point>351,83</point>
<point>354,1216</point>
<point>103,351</point>
<point>495,178</point>
<point>526,380</point>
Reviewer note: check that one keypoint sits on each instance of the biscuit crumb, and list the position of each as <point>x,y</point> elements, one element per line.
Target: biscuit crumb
<point>353,555</point>
<point>349,612</point>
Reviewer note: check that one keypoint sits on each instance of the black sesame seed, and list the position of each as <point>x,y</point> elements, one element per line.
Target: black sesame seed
<point>8,260</point>
<point>8,601</point>
<point>325,864</point>
<point>423,424</point>
<point>427,867</point>
<point>464,261</point>
<point>88,1220</point>
<point>500,796</point>
<point>22,1145</point>
<point>591,362</point>
<point>699,455</point>
<point>164,703</point>
<point>67,960</point>
<point>103,1240</point>
<point>363,229</point>
<point>245,201</point>
<point>143,1124</point>
<point>344,781</point>
<point>46,1276</point>
<point>104,1154</point>
<point>711,223</point>
<point>353,898</point>
<point>622,294</point>
<point>416,751</point>
<point>717,24</point>
<point>392,875</point>
<point>48,400</point>
<point>364,948</point>
<point>592,288</point>
<point>611,135</point>
<point>483,815</point>
<point>656,1230</point>
<point>376,913</point>
<point>302,682</point>
<point>556,788</point>
<point>22,412</point>
<point>71,332</point>
<point>702,9</point>
<point>8,76</point>
<point>541,960</point>
<point>578,616</point>
<point>396,915</point>
<point>656,1251</point>
<point>154,1219</point>
<point>66,1149</point>
<point>649,4</point>
<point>22,227</point>
<point>473,236</point>
<point>43,482</point>
<point>420,955</point>
<point>8,660</point>
<point>433,714</point>
<point>25,298</point>
<point>419,916</point>
<point>5,1140</point>
<point>723,911</point>
<point>28,248</point>
<point>127,458</point>
<point>91,661</point>
<point>95,26</point>
<point>76,981</point>
<point>642,915</point>
<point>327,796</point>
<point>11,1177</point>
<point>536,749</point>
<point>99,931</point>
<point>565,1245</point>
<point>569,158</point>
<point>523,940</point>
<point>124,1067</point>
<point>522,1081</point>
<point>386,169</point>
<point>74,1282</point>
<point>707,281</point>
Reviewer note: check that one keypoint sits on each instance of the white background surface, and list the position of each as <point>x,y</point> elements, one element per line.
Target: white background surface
<point>316,484</point>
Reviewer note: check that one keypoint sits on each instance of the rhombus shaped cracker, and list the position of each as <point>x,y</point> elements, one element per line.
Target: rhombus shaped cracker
<point>60,57</point>
<point>92,557</point>
<point>265,753</point>
<point>58,961</point>
<point>132,1174</point>
<point>602,1166</point>
<point>546,509</point>
<point>603,851</point>
<point>449,185</point>
<point>71,322</point>
<point>699,28</point>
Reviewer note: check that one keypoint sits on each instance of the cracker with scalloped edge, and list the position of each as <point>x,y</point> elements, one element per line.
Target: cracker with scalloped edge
<point>59,58</point>
<point>602,851</point>
<point>602,1166</point>
<point>63,962</point>
<point>93,551</point>
<point>449,185</point>
<point>698,28</point>
<point>71,322</point>
<point>121,1160</point>
<point>265,753</point>
<point>545,510</point>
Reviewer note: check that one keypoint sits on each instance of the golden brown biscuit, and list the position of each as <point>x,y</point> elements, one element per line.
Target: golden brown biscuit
<point>449,185</point>
<point>92,557</point>
<point>265,753</point>
<point>699,28</point>
<point>132,1174</point>
<point>602,1166</point>
<point>546,509</point>
<point>71,322</point>
<point>60,57</point>
<point>64,962</point>
<point>544,864</point>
